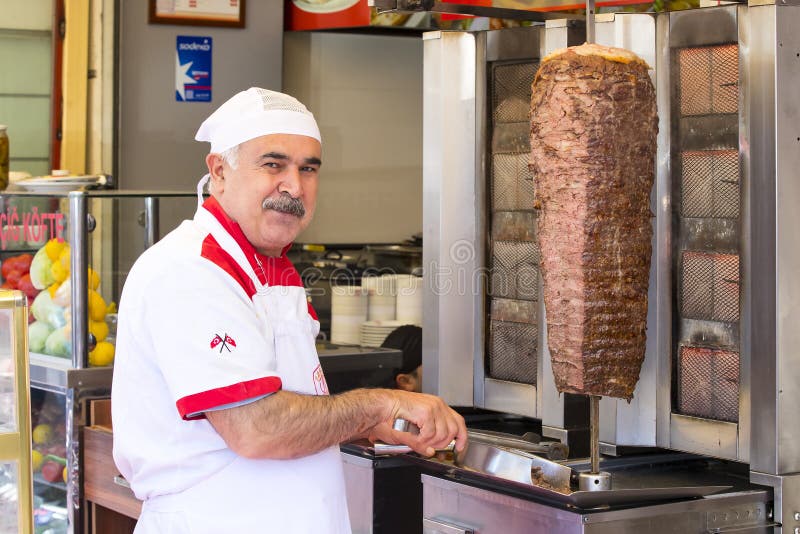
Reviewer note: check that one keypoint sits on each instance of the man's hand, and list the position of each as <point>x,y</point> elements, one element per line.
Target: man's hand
<point>438,423</point>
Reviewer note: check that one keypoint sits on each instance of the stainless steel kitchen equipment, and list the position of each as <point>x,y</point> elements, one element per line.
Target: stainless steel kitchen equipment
<point>721,359</point>
<point>452,507</point>
<point>481,342</point>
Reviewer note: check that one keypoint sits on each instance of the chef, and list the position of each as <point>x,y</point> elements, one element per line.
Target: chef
<point>222,418</point>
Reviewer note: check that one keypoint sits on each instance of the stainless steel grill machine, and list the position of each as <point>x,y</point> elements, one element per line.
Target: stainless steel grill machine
<point>722,368</point>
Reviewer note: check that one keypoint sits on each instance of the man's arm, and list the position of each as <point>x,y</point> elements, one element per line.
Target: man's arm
<point>290,425</point>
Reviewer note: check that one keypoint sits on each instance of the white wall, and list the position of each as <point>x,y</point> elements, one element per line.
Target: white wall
<point>366,93</point>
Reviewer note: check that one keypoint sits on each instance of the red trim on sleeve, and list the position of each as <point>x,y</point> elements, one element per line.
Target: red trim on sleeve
<point>213,252</point>
<point>312,312</point>
<point>192,406</point>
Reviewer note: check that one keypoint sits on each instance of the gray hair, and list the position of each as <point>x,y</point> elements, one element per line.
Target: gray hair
<point>231,156</point>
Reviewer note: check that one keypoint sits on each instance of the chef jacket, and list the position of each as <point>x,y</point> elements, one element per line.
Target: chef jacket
<point>205,322</point>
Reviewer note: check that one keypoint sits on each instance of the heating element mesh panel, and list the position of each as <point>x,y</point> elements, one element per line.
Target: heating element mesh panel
<point>710,286</point>
<point>707,189</point>
<point>514,253</point>
<point>709,80</point>
<point>512,183</point>
<point>710,184</point>
<point>511,91</point>
<point>515,270</point>
<point>513,349</point>
<point>709,383</point>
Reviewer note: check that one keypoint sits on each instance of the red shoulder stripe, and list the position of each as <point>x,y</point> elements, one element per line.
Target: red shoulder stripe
<point>217,255</point>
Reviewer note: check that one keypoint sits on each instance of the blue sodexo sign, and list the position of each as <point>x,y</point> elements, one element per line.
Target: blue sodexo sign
<point>193,69</point>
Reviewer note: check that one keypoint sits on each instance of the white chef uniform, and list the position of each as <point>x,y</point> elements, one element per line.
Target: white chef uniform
<point>205,322</point>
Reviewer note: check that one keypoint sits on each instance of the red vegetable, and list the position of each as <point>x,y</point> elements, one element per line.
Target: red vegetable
<point>51,471</point>
<point>26,286</point>
<point>24,263</point>
<point>13,278</point>
<point>21,263</point>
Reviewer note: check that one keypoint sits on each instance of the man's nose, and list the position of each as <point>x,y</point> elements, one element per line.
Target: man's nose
<point>290,182</point>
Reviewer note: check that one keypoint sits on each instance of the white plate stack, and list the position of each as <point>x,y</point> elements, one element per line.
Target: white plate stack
<point>409,299</point>
<point>382,297</point>
<point>348,312</point>
<point>374,332</point>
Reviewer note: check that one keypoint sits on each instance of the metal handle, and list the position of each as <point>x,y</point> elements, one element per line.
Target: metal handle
<point>740,528</point>
<point>385,448</point>
<point>401,425</point>
<point>434,526</point>
<point>119,480</point>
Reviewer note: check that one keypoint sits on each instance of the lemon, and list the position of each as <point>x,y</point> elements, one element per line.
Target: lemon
<point>99,329</point>
<point>103,354</point>
<point>64,474</point>
<point>63,258</point>
<point>58,271</point>
<point>42,434</point>
<point>53,288</point>
<point>97,306</point>
<point>111,308</point>
<point>53,248</point>
<point>36,460</point>
<point>94,279</point>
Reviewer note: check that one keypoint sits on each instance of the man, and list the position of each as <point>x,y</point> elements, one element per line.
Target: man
<point>407,338</point>
<point>222,421</point>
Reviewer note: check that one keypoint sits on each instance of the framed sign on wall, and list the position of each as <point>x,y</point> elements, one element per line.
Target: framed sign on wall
<point>230,13</point>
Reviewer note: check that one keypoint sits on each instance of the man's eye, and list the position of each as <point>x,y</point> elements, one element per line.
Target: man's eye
<point>308,169</point>
<point>272,165</point>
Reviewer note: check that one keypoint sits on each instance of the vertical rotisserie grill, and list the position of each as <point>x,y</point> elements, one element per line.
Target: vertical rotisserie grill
<point>514,281</point>
<point>708,228</point>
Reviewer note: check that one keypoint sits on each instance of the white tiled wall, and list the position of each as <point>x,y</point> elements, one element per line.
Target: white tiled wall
<point>366,93</point>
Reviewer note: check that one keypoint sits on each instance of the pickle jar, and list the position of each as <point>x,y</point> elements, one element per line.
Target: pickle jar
<point>3,157</point>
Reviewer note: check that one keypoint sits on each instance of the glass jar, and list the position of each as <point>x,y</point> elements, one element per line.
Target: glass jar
<point>3,157</point>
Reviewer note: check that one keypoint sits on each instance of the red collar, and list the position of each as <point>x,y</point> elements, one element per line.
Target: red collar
<point>260,263</point>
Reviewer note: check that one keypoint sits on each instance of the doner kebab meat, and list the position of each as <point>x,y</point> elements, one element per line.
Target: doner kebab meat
<point>593,148</point>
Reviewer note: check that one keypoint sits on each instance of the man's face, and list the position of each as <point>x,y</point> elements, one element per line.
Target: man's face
<point>279,171</point>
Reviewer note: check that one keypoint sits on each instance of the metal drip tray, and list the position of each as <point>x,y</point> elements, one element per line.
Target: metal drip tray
<point>631,486</point>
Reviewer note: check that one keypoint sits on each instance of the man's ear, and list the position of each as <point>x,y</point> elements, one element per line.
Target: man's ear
<point>405,381</point>
<point>215,163</point>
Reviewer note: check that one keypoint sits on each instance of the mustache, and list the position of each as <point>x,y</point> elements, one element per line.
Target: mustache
<point>285,203</point>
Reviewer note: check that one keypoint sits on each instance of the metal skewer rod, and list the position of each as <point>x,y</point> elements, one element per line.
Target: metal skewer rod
<point>594,431</point>
<point>590,21</point>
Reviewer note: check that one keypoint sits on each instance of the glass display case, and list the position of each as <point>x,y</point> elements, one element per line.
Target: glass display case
<point>70,253</point>
<point>15,433</point>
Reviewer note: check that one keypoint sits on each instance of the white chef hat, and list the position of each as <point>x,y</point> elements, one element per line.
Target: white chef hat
<point>253,113</point>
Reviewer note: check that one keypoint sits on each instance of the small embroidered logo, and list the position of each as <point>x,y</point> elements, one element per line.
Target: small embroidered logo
<point>320,385</point>
<point>224,341</point>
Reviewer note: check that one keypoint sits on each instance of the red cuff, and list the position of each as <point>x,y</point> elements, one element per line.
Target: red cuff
<point>192,406</point>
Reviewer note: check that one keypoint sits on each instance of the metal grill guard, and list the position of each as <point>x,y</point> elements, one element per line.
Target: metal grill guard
<point>709,77</point>
<point>709,383</point>
<point>514,284</point>
<point>707,259</point>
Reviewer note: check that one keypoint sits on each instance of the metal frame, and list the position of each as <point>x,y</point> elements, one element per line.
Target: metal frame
<point>15,446</point>
<point>74,379</point>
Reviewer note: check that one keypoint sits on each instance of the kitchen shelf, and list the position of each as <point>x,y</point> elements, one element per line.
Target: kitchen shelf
<point>39,480</point>
<point>51,373</point>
